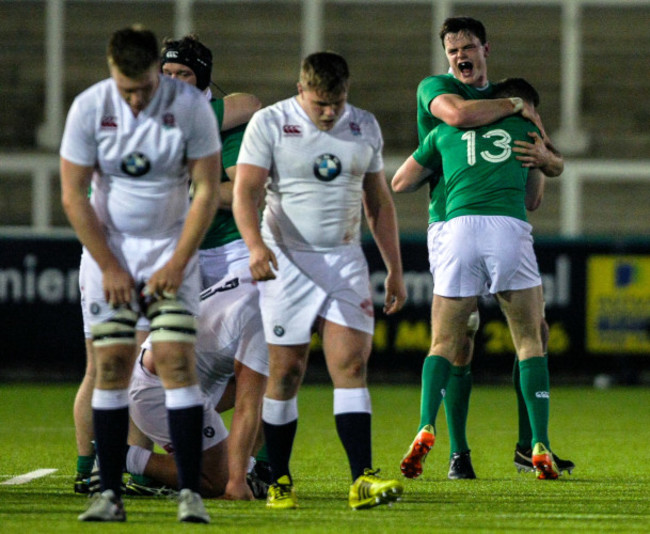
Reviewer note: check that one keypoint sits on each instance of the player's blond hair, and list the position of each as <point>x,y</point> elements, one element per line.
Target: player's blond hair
<point>325,72</point>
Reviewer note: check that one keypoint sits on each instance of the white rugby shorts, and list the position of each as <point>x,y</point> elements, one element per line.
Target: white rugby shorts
<point>142,323</point>
<point>334,285</point>
<point>475,250</point>
<point>217,263</point>
<point>433,232</point>
<point>141,257</point>
<point>148,411</point>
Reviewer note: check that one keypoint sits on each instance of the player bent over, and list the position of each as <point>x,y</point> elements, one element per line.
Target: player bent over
<point>139,136</point>
<point>230,342</point>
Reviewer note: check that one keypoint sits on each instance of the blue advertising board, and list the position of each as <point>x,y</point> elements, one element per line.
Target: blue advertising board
<point>597,305</point>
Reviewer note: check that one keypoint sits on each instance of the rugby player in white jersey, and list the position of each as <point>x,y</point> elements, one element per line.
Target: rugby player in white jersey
<point>138,136</point>
<point>324,159</point>
<point>187,60</point>
<point>230,342</point>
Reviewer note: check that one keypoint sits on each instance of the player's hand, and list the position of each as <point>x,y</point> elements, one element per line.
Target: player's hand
<point>395,293</point>
<point>118,286</point>
<point>238,492</point>
<point>529,112</point>
<point>262,263</point>
<point>535,154</point>
<point>166,281</point>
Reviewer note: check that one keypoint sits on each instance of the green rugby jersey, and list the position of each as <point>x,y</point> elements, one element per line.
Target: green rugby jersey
<point>223,229</point>
<point>481,174</point>
<point>428,89</point>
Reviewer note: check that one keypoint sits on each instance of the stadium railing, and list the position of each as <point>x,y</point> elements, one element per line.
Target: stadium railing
<point>44,168</point>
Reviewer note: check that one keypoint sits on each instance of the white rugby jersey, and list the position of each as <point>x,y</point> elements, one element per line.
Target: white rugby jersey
<point>140,186</point>
<point>230,328</point>
<point>313,200</point>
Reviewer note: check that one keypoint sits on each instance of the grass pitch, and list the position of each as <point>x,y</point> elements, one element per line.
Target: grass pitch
<point>604,432</point>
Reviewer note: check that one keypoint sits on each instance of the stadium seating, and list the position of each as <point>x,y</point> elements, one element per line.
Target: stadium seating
<point>257,49</point>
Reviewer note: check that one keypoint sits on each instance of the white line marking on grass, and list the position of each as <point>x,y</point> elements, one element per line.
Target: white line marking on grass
<point>28,477</point>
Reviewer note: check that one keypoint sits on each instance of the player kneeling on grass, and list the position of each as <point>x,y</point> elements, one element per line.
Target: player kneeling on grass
<point>230,342</point>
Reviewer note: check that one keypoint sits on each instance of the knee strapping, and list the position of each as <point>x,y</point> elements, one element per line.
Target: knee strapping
<point>170,321</point>
<point>118,330</point>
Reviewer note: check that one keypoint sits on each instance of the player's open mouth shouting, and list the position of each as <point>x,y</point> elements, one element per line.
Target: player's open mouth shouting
<point>465,68</point>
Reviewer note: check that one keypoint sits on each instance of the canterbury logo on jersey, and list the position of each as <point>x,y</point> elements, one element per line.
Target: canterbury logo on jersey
<point>355,128</point>
<point>108,122</point>
<point>542,394</point>
<point>291,129</point>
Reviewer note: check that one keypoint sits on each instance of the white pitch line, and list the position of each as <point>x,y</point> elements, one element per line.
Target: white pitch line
<point>28,477</point>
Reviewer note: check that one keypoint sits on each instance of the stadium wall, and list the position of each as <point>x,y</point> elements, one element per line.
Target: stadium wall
<point>597,296</point>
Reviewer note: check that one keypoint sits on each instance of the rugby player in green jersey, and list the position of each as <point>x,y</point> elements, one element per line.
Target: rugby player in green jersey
<point>464,98</point>
<point>486,243</point>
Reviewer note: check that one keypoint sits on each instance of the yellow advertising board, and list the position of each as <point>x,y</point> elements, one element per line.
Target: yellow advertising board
<point>618,304</point>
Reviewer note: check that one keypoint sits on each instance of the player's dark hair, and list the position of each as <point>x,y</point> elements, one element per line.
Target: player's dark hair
<point>510,87</point>
<point>326,72</point>
<point>189,51</point>
<point>463,25</point>
<point>133,50</point>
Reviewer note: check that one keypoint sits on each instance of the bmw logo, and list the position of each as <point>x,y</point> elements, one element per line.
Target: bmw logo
<point>327,167</point>
<point>94,308</point>
<point>136,164</point>
<point>278,331</point>
<point>208,432</point>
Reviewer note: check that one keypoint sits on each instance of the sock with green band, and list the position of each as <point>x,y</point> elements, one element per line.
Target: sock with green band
<point>534,380</point>
<point>85,465</point>
<point>435,377</point>
<point>525,432</point>
<point>262,455</point>
<point>456,401</point>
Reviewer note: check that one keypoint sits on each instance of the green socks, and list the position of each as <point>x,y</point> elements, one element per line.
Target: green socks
<point>525,432</point>
<point>456,401</point>
<point>534,381</point>
<point>435,377</point>
<point>85,465</point>
<point>262,455</point>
